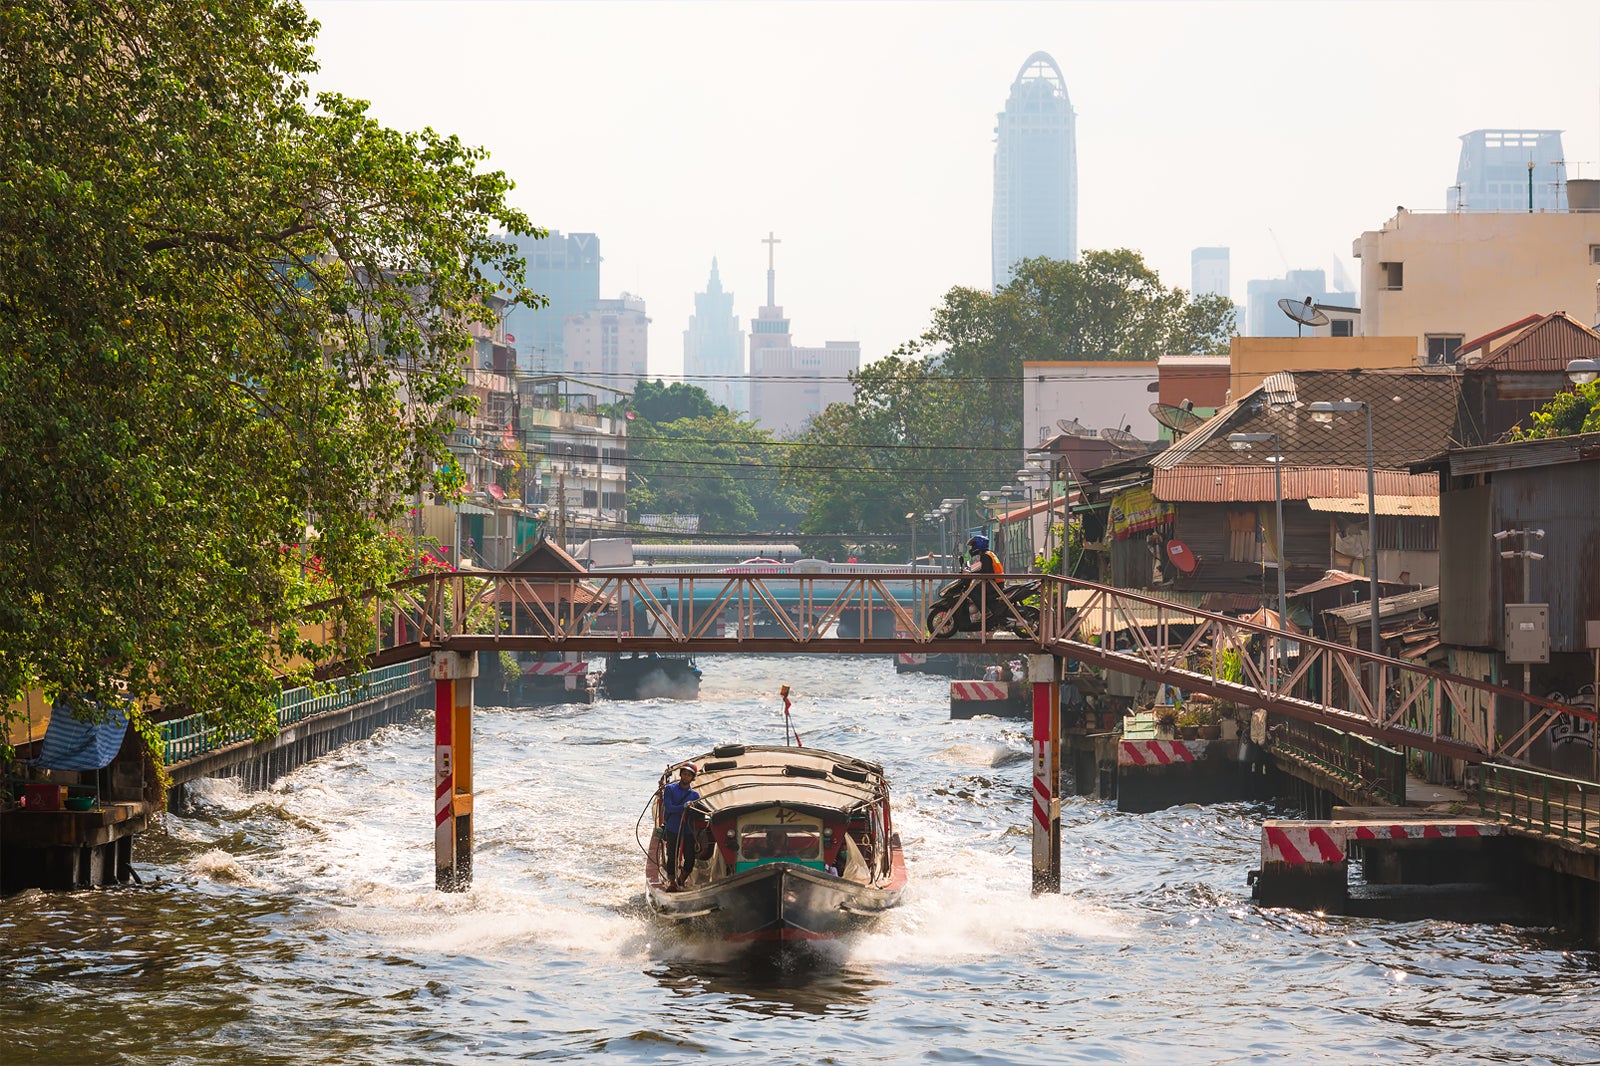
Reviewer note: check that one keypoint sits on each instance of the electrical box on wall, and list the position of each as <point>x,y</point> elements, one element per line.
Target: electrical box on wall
<point>1527,632</point>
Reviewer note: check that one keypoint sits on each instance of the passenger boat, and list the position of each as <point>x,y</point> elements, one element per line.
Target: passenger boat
<point>795,844</point>
<point>651,675</point>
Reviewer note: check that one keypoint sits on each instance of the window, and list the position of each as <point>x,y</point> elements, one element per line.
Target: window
<point>1245,536</point>
<point>1594,255</point>
<point>1343,327</point>
<point>1413,533</point>
<point>1442,347</point>
<point>1393,275</point>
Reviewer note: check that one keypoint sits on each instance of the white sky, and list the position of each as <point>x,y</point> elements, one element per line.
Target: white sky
<point>862,133</point>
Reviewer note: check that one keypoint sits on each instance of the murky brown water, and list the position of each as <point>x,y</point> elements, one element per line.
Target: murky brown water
<point>301,925</point>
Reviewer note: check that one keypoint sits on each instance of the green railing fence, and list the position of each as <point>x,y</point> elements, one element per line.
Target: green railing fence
<point>190,737</point>
<point>1544,803</point>
<point>1354,759</point>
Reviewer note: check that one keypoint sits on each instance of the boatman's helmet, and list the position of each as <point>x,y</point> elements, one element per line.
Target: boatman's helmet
<point>978,543</point>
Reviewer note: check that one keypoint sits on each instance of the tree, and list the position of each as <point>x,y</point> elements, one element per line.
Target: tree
<point>1566,414</point>
<point>668,403</point>
<point>717,466</point>
<point>231,331</point>
<point>942,417</point>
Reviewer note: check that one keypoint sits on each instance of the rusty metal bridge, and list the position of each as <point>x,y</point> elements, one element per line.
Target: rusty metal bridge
<point>1129,632</point>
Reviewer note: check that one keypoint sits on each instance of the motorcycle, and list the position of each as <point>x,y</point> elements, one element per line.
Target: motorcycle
<point>983,605</point>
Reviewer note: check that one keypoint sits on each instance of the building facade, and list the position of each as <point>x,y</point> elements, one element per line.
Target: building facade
<point>713,347</point>
<point>1035,171</point>
<point>1509,170</point>
<point>1098,395</point>
<point>1208,272</point>
<point>566,271</point>
<point>788,383</point>
<point>1442,278</point>
<point>609,343</point>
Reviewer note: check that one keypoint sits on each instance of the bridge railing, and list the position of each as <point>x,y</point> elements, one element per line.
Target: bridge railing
<point>1400,703</point>
<point>1353,759</point>
<point>1562,807</point>
<point>191,736</point>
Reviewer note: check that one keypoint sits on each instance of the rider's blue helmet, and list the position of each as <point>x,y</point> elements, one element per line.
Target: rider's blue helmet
<point>978,543</point>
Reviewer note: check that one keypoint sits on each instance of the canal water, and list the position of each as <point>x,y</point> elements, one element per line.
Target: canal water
<point>301,925</point>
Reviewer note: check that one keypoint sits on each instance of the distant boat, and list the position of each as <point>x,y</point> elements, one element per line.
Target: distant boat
<point>650,675</point>
<point>794,844</point>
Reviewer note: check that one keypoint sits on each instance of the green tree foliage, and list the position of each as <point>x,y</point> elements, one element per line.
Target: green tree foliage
<point>231,326</point>
<point>660,403</point>
<point>717,466</point>
<point>1567,413</point>
<point>942,417</point>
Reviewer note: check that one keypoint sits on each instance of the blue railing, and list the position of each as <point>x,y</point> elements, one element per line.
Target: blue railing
<point>190,737</point>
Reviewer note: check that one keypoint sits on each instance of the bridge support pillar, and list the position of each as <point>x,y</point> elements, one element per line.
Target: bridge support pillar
<point>452,769</point>
<point>1044,671</point>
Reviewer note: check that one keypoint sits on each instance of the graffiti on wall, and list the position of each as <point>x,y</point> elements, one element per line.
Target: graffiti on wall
<point>1569,730</point>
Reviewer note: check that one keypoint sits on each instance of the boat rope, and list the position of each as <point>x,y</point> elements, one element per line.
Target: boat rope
<point>788,726</point>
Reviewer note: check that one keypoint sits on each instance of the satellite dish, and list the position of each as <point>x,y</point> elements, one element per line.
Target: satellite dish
<point>1177,419</point>
<point>1121,439</point>
<point>1073,427</point>
<point>1304,314</point>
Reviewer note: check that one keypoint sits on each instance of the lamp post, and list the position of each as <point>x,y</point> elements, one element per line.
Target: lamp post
<point>955,505</point>
<point>1244,440</point>
<point>1583,371</point>
<point>1323,411</point>
<point>911,520</point>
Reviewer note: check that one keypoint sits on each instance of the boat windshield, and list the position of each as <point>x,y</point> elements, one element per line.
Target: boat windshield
<point>800,843</point>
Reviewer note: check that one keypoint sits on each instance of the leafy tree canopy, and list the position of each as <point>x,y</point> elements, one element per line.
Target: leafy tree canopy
<point>717,466</point>
<point>231,326</point>
<point>942,417</point>
<point>1567,413</point>
<point>667,403</point>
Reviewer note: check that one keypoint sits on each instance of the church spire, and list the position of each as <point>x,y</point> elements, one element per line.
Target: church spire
<point>771,242</point>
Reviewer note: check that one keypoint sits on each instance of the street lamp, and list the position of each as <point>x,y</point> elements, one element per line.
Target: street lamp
<point>1583,371</point>
<point>911,520</point>
<point>1323,411</point>
<point>1244,440</point>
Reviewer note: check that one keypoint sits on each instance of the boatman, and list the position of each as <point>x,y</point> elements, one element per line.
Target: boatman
<point>677,827</point>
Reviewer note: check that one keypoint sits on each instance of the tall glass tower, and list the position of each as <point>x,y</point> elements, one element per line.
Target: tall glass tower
<point>713,347</point>
<point>1035,170</point>
<point>1510,170</point>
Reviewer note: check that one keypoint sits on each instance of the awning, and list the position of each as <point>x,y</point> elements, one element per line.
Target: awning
<point>1420,506</point>
<point>73,745</point>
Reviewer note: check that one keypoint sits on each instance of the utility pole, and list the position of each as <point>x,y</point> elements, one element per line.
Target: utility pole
<point>561,508</point>
<point>1526,638</point>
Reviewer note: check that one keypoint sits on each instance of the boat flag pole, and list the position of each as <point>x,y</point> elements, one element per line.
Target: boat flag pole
<point>788,726</point>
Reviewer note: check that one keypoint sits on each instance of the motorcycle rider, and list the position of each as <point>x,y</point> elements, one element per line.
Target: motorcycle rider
<point>982,561</point>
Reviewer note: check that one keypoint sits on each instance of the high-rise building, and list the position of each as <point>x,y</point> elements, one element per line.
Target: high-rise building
<point>713,347</point>
<point>1035,171</point>
<point>1507,170</point>
<point>1208,272</point>
<point>1266,319</point>
<point>609,344</point>
<point>790,384</point>
<point>566,271</point>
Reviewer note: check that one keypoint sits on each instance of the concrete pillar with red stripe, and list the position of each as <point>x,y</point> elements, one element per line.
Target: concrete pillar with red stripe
<point>452,769</point>
<point>1044,671</point>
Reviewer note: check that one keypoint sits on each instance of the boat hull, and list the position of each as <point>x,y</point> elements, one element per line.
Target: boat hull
<point>777,904</point>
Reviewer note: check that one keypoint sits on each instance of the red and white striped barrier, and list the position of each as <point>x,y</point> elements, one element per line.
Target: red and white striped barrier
<point>979,690</point>
<point>1302,843</point>
<point>911,658</point>
<point>1156,752</point>
<point>556,669</point>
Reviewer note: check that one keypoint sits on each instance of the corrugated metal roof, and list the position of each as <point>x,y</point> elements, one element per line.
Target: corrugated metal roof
<point>1426,506</point>
<point>1547,345</point>
<point>1520,455</point>
<point>1226,484</point>
<point>1413,416</point>
<point>1388,607</point>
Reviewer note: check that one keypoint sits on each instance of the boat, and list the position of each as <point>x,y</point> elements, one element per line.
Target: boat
<point>651,675</point>
<point>795,845</point>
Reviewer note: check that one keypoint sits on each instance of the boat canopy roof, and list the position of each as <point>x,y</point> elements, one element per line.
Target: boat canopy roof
<point>737,777</point>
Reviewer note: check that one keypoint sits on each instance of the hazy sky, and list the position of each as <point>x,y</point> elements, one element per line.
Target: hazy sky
<point>862,133</point>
